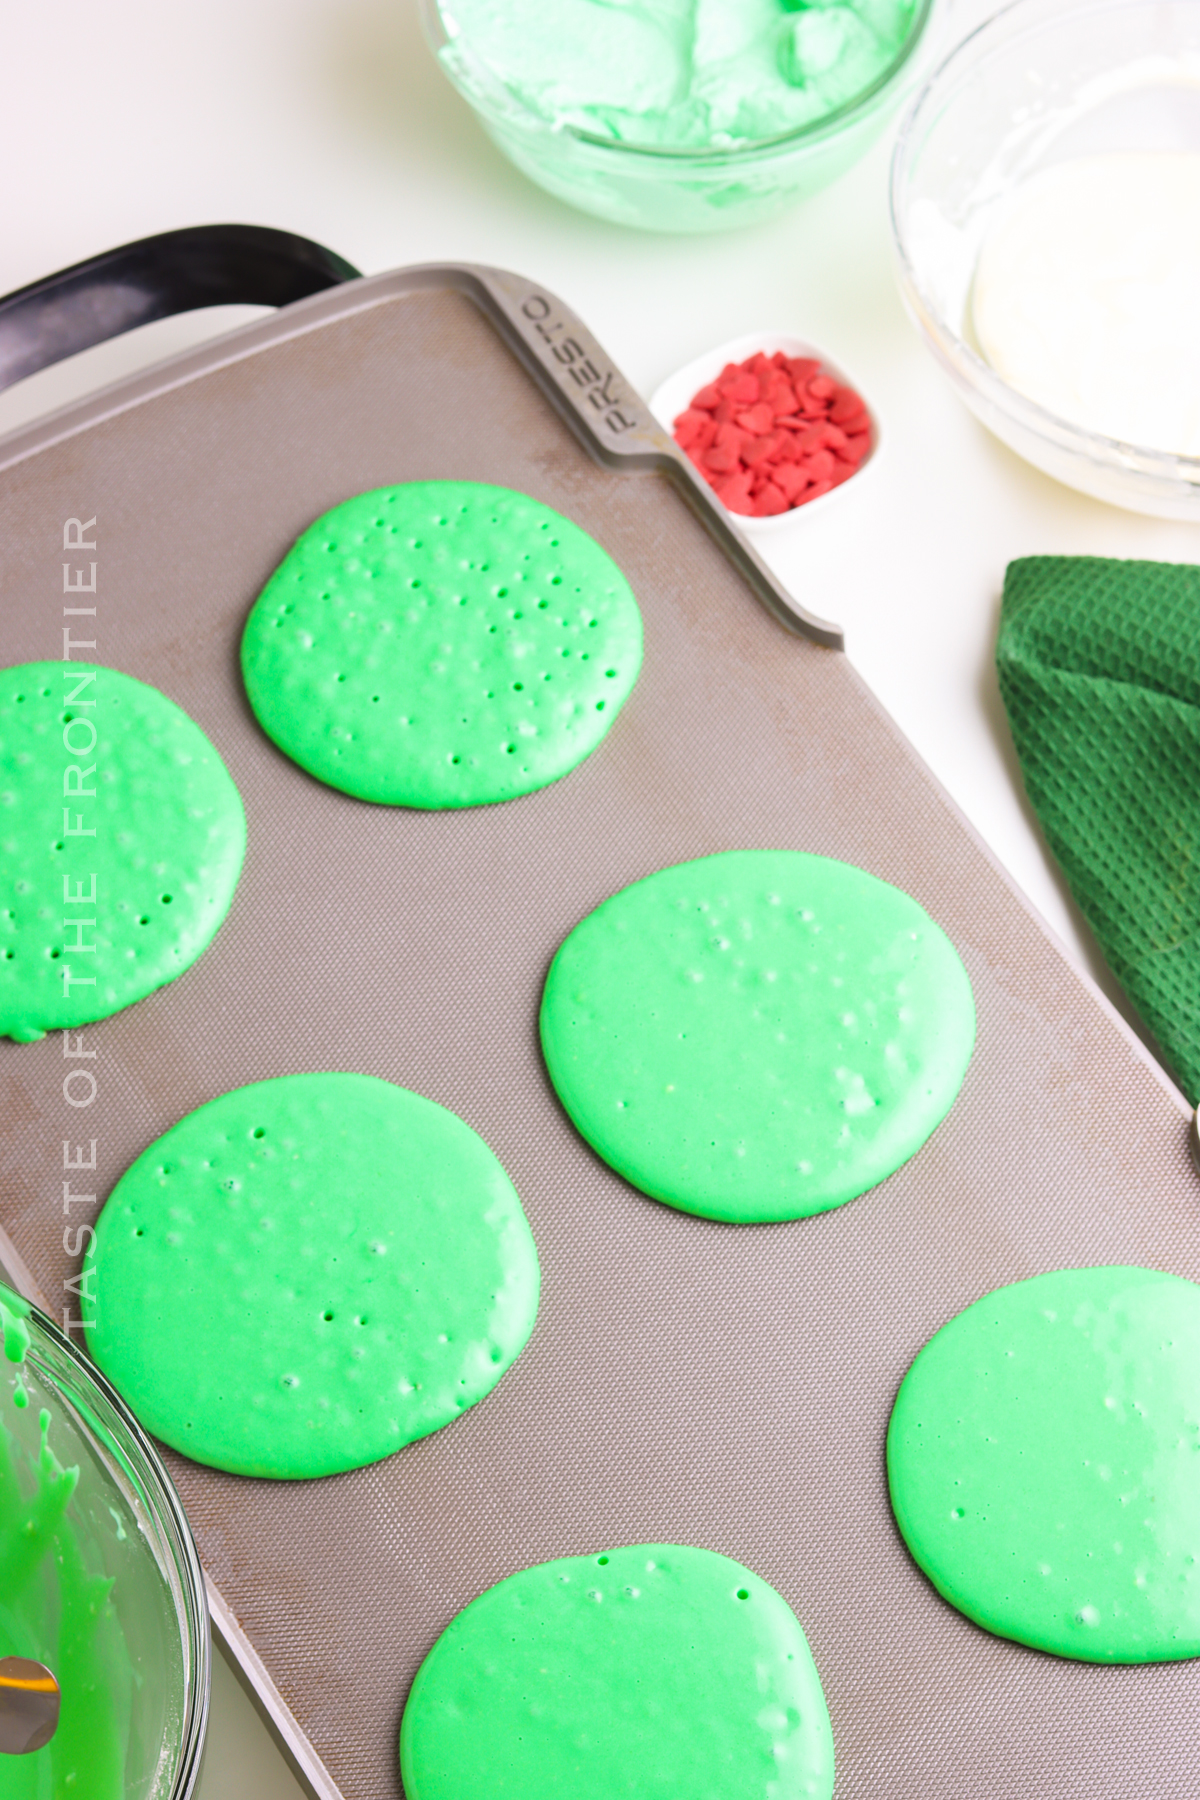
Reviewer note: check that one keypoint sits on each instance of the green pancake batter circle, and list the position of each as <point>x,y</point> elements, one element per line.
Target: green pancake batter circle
<point>1044,1463</point>
<point>441,644</point>
<point>121,841</point>
<point>757,1035</point>
<point>657,1671</point>
<point>308,1273</point>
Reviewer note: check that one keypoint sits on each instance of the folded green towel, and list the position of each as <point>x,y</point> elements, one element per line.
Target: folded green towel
<point>1099,667</point>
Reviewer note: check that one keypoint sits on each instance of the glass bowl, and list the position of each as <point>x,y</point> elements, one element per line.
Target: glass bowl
<point>1039,83</point>
<point>114,1604</point>
<point>676,190</point>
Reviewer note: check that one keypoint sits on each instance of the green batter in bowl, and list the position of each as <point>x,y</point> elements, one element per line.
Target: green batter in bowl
<point>99,1580</point>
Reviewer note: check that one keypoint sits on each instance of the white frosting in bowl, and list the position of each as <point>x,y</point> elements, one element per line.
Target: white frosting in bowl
<point>1087,295</point>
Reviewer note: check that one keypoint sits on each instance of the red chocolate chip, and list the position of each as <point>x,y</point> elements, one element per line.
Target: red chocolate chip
<point>771,501</point>
<point>734,435</point>
<point>763,449</point>
<point>690,426</point>
<point>723,459</point>
<point>741,388</point>
<point>757,419</point>
<point>819,464</point>
<point>780,395</point>
<point>846,405</point>
<point>735,493</point>
<point>811,438</point>
<point>706,434</point>
<point>792,480</point>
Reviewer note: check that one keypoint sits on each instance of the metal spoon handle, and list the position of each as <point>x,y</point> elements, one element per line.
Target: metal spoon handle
<point>29,1702</point>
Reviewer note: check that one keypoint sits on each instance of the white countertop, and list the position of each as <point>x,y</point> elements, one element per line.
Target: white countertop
<point>328,117</point>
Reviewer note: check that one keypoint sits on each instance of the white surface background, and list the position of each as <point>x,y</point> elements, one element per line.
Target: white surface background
<point>328,117</point>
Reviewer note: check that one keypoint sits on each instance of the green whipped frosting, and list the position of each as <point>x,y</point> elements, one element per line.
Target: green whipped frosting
<point>686,74</point>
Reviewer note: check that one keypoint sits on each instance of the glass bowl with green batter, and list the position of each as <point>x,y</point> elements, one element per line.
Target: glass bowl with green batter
<point>99,1579</point>
<point>680,115</point>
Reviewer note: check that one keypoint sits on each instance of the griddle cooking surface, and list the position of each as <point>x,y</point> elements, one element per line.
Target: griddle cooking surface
<point>723,1386</point>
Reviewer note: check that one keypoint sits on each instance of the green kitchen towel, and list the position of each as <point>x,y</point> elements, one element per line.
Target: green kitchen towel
<point>1099,666</point>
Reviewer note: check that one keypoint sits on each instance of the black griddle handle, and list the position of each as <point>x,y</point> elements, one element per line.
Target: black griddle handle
<point>175,272</point>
